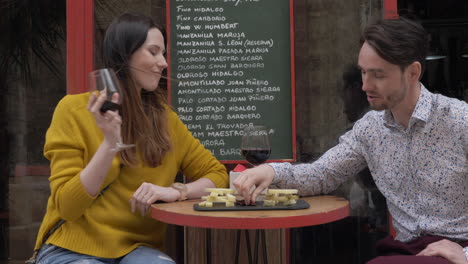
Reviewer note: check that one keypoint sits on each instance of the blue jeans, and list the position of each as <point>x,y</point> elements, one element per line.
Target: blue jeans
<point>51,254</point>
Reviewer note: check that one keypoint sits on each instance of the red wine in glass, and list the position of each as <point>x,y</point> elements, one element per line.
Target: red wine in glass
<point>110,106</point>
<point>104,81</point>
<point>255,145</point>
<point>256,156</point>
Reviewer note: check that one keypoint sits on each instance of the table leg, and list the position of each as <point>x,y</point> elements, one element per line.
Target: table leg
<point>256,246</point>
<point>208,246</point>
<point>265,256</point>
<point>260,241</point>
<point>247,240</point>
<point>290,244</point>
<point>238,237</point>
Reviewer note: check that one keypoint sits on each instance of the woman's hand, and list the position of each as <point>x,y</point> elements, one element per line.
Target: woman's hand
<point>149,193</point>
<point>109,122</point>
<point>447,249</point>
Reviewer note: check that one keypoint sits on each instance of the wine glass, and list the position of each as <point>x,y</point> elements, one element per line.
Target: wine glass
<point>105,81</point>
<point>255,146</point>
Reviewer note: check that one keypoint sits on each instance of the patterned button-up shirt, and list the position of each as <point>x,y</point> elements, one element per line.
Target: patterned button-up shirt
<point>422,170</point>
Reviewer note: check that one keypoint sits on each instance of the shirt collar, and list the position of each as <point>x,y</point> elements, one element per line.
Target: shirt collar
<point>423,107</point>
<point>421,111</point>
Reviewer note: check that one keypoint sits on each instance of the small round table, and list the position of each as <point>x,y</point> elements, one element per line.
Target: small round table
<point>323,209</point>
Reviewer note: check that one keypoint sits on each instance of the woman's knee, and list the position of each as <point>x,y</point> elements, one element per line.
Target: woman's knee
<point>146,255</point>
<point>51,254</point>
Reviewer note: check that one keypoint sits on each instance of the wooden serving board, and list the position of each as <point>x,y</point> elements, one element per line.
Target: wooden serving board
<point>300,204</point>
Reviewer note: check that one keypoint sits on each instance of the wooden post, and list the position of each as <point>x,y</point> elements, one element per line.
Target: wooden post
<point>80,44</point>
<point>390,9</point>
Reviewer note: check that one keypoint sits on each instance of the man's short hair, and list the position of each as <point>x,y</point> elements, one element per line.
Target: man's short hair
<point>399,41</point>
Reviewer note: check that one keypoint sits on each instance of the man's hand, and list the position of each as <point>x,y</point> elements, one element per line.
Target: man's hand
<point>260,176</point>
<point>447,249</point>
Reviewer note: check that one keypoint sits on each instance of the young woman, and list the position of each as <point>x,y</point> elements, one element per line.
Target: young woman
<point>98,208</point>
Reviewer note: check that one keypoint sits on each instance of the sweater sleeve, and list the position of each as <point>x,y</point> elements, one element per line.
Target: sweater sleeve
<point>66,154</point>
<point>196,161</point>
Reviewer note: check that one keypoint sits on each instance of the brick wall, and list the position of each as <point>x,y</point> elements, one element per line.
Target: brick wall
<point>27,202</point>
<point>327,40</point>
<point>29,107</point>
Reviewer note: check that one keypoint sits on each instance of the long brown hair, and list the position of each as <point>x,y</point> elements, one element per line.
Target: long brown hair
<point>144,113</point>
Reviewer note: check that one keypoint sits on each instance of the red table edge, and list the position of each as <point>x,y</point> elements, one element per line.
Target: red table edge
<point>249,223</point>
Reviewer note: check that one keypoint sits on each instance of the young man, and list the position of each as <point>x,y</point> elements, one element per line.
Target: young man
<point>415,144</point>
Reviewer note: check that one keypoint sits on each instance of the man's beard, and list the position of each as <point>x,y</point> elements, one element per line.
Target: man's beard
<point>391,100</point>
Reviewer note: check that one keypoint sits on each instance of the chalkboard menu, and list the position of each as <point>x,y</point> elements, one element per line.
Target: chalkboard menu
<point>230,66</point>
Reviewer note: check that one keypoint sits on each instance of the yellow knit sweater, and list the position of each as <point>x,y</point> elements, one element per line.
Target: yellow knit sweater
<point>104,226</point>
